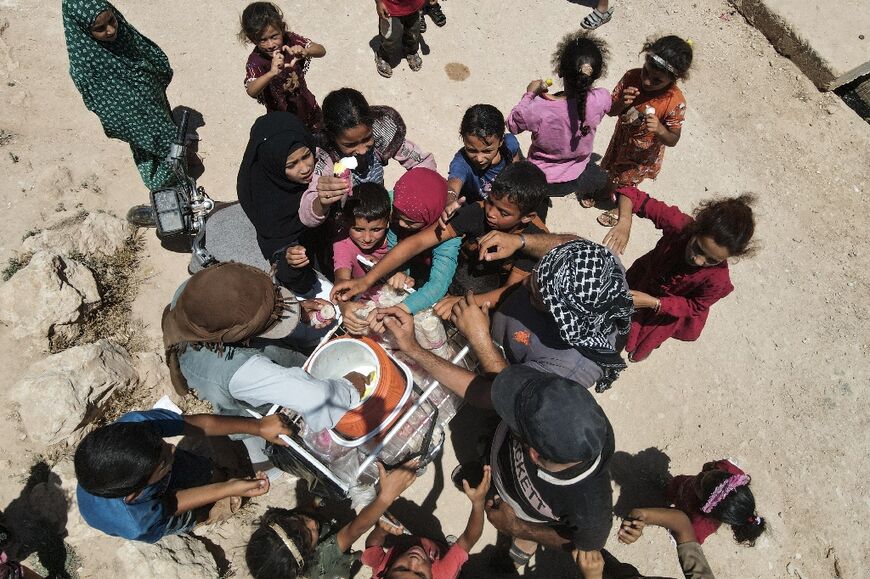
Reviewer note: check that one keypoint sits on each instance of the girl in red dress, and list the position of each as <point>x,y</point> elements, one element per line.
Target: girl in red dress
<point>719,494</point>
<point>275,71</point>
<point>674,285</point>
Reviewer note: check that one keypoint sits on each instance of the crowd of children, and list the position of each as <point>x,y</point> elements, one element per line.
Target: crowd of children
<point>311,182</point>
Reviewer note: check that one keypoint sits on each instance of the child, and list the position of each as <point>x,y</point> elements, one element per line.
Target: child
<point>418,200</point>
<point>366,219</point>
<point>719,494</point>
<point>651,109</point>
<point>486,151</point>
<point>692,560</point>
<point>275,72</point>
<point>675,284</point>
<point>563,125</point>
<point>289,544</point>
<point>132,484</point>
<point>420,557</point>
<point>511,207</point>
<point>399,26</point>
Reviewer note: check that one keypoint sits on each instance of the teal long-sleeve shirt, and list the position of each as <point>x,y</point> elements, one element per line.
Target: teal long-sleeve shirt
<point>444,258</point>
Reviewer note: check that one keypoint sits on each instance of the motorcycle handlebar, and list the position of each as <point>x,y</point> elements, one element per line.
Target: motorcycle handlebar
<point>181,135</point>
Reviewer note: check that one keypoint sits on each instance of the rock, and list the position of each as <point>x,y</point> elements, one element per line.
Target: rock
<point>154,377</point>
<point>174,557</point>
<point>99,233</point>
<point>65,391</point>
<point>48,297</point>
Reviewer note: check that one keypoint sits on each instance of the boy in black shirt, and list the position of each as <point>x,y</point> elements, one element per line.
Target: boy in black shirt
<point>511,207</point>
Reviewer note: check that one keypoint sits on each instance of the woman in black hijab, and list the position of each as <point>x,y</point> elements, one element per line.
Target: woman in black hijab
<point>276,169</point>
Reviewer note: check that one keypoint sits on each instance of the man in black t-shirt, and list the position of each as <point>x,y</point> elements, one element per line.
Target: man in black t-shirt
<point>550,453</point>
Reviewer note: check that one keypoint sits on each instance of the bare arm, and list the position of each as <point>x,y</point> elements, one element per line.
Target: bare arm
<point>193,498</point>
<point>472,388</point>
<point>540,533</point>
<point>268,427</point>
<point>474,528</point>
<point>534,244</point>
<point>674,520</point>
<point>314,50</point>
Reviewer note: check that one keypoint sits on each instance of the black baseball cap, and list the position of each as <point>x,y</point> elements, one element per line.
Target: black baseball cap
<point>557,417</point>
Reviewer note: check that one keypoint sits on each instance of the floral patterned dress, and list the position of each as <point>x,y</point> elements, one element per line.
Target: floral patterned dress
<point>635,154</point>
<point>287,92</point>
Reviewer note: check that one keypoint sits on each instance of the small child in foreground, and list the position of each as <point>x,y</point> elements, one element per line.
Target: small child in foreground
<point>414,557</point>
<point>289,544</point>
<point>719,494</point>
<point>133,484</point>
<point>275,71</point>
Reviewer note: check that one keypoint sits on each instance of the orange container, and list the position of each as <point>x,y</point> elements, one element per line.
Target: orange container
<point>342,355</point>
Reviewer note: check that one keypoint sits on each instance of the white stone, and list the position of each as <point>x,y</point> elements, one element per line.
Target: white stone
<point>65,391</point>
<point>47,297</point>
<point>99,233</point>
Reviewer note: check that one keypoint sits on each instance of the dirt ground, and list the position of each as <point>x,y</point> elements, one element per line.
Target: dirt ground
<point>778,380</point>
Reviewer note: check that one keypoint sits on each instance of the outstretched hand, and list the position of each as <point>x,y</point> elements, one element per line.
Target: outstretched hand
<point>448,212</point>
<point>400,324</point>
<point>497,245</point>
<point>471,320</point>
<point>346,290</point>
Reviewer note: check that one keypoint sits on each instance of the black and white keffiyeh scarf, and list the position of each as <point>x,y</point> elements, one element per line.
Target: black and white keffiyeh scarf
<point>583,286</point>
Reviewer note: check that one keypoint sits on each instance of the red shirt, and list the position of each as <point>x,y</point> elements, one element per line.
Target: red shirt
<point>686,291</point>
<point>403,7</point>
<point>446,567</point>
<point>681,493</point>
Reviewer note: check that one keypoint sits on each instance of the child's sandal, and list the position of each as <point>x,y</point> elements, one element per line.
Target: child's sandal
<point>423,21</point>
<point>437,15</point>
<point>596,18</point>
<point>415,63</point>
<point>608,219</point>
<point>519,557</point>
<point>587,202</point>
<point>384,68</point>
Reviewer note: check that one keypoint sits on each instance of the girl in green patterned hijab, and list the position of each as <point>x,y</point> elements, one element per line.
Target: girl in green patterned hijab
<point>122,77</point>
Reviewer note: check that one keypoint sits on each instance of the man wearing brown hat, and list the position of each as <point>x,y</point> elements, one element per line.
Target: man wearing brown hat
<point>221,335</point>
<point>549,454</point>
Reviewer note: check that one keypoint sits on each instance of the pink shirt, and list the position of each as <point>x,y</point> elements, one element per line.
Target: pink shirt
<point>446,567</point>
<point>346,251</point>
<point>560,152</point>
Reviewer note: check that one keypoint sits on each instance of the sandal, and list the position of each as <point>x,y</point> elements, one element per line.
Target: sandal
<point>422,21</point>
<point>608,219</point>
<point>384,68</point>
<point>587,202</point>
<point>415,63</point>
<point>437,15</point>
<point>519,557</point>
<point>596,18</point>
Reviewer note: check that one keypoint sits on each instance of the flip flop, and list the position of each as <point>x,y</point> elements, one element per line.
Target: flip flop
<point>519,557</point>
<point>608,219</point>
<point>384,68</point>
<point>415,63</point>
<point>596,18</point>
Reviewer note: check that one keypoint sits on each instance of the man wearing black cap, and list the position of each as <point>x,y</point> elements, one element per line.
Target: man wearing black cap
<point>549,455</point>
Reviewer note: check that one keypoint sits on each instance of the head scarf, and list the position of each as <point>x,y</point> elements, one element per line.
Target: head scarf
<point>228,303</point>
<point>270,200</point>
<point>421,194</point>
<point>583,286</point>
<point>124,82</point>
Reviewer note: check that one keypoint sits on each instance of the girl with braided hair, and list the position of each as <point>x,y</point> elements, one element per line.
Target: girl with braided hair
<point>563,124</point>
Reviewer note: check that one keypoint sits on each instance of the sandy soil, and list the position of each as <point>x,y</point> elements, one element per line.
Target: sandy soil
<point>777,381</point>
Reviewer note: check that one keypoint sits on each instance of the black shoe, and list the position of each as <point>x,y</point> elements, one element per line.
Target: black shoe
<point>142,216</point>
<point>422,20</point>
<point>437,15</point>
